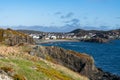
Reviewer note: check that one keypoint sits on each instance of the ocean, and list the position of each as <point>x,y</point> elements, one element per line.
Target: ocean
<point>106,55</point>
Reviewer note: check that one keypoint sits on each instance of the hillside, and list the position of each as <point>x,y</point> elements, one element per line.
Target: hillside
<point>12,37</point>
<point>79,62</point>
<point>30,31</point>
<point>17,64</point>
<point>30,62</point>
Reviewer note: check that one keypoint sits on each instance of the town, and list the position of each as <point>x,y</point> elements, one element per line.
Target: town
<point>78,34</point>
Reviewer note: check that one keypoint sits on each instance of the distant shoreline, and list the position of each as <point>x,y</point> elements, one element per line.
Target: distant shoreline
<point>57,40</point>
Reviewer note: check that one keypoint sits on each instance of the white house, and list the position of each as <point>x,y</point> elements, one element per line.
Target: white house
<point>53,37</point>
<point>36,37</point>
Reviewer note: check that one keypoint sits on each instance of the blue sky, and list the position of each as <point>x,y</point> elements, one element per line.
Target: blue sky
<point>91,14</point>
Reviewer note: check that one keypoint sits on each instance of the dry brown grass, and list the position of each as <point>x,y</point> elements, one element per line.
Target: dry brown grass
<point>5,51</point>
<point>21,51</point>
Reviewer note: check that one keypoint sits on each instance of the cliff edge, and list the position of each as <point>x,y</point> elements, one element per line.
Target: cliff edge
<point>81,63</point>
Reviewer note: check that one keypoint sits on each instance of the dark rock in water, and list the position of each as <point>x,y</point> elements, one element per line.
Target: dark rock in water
<point>81,63</point>
<point>98,40</point>
<point>11,37</point>
<point>107,75</point>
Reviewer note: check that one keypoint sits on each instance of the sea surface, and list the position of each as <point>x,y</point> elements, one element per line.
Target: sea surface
<point>106,55</point>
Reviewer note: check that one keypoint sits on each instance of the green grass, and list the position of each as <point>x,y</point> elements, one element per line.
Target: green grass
<point>26,69</point>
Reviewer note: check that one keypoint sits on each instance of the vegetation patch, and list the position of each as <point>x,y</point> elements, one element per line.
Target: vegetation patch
<point>18,77</point>
<point>53,74</point>
<point>23,69</point>
<point>7,69</point>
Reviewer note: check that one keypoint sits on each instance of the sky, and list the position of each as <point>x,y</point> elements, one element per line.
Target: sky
<point>60,14</point>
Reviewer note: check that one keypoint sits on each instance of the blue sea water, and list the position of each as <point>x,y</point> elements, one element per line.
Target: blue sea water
<point>106,55</point>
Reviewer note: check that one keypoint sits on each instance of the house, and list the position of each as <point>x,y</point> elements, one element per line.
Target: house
<point>36,37</point>
<point>53,37</point>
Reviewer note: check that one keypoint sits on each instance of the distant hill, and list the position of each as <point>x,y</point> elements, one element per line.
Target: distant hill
<point>38,32</point>
<point>82,32</point>
<point>30,31</point>
<point>78,30</point>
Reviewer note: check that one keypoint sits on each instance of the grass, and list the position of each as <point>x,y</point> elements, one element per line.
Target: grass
<point>22,66</point>
<point>53,74</point>
<point>22,69</point>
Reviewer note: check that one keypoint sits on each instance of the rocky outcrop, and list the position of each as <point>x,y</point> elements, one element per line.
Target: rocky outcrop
<point>4,76</point>
<point>98,36</point>
<point>11,37</point>
<point>97,40</point>
<point>81,63</point>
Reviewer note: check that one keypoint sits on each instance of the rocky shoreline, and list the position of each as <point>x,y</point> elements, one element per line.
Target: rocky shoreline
<point>97,40</point>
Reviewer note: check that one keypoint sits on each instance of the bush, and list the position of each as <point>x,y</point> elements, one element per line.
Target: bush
<point>7,69</point>
<point>18,77</point>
